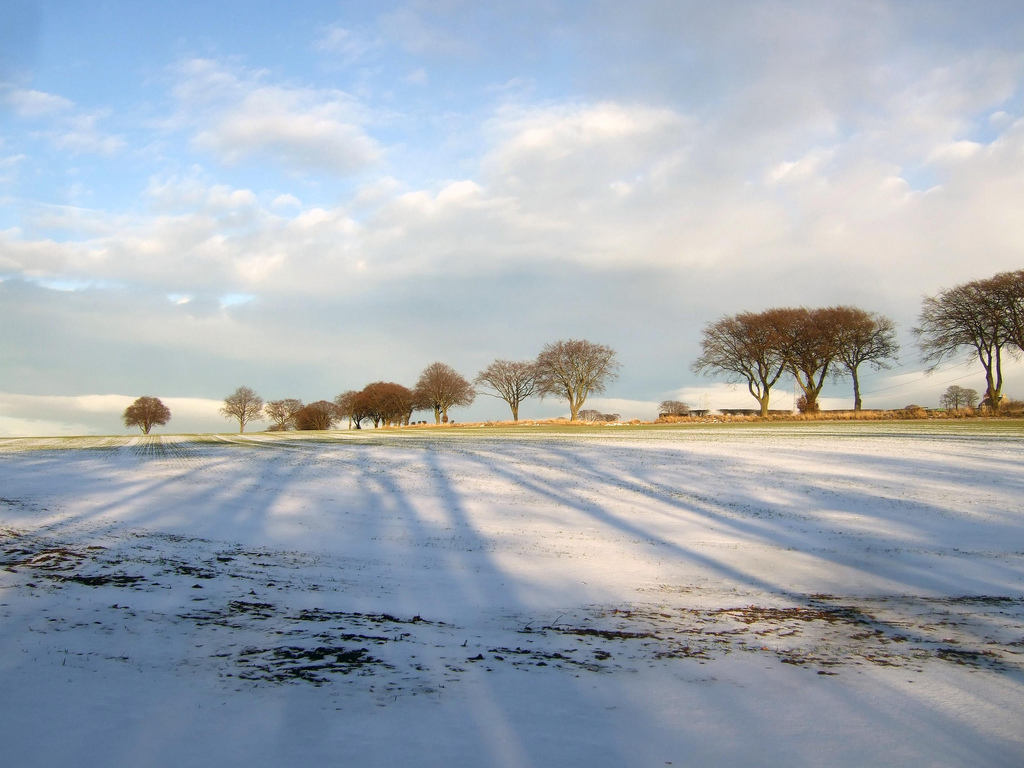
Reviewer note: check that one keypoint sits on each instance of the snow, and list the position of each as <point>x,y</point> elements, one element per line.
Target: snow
<point>840,595</point>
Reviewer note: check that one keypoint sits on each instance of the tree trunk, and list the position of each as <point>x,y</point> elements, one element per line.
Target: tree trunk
<point>515,412</point>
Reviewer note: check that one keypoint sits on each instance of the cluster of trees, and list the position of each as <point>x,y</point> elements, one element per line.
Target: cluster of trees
<point>955,398</point>
<point>673,408</point>
<point>570,369</point>
<point>809,345</point>
<point>597,416</point>
<point>984,318</point>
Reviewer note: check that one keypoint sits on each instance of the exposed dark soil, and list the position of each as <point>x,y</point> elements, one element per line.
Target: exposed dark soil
<point>249,612</point>
<point>311,665</point>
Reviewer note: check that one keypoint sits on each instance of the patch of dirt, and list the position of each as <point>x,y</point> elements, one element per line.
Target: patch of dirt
<point>312,665</point>
<point>247,625</point>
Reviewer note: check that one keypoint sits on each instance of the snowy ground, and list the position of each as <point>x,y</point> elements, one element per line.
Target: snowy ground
<point>822,595</point>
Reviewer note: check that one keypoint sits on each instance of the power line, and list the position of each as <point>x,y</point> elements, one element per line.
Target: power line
<point>919,381</point>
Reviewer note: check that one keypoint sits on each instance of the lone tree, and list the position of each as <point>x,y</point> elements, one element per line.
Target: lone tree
<point>282,413</point>
<point>673,408</point>
<point>863,337</point>
<point>146,413</point>
<point>441,387</point>
<point>574,370</point>
<point>955,398</point>
<point>511,381</point>
<point>971,316</point>
<point>745,347</point>
<point>243,404</point>
<point>319,415</point>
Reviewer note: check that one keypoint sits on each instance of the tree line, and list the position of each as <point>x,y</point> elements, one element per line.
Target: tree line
<point>984,318</point>
<point>810,345</point>
<point>571,370</point>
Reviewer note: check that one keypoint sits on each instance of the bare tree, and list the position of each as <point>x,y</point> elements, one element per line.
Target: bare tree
<point>810,347</point>
<point>970,316</point>
<point>955,398</point>
<point>282,413</point>
<point>862,337</point>
<point>745,347</point>
<point>320,415</point>
<point>512,381</point>
<point>441,387</point>
<point>243,404</point>
<point>673,408</point>
<point>146,413</point>
<point>1008,290</point>
<point>574,370</point>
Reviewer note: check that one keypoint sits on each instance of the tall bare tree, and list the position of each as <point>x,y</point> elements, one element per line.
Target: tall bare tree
<point>810,347</point>
<point>746,347</point>
<point>441,387</point>
<point>969,317</point>
<point>282,413</point>
<point>146,413</point>
<point>1008,289</point>
<point>512,381</point>
<point>244,405</point>
<point>863,337</point>
<point>575,369</point>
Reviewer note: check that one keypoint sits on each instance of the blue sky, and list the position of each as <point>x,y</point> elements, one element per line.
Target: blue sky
<point>195,196</point>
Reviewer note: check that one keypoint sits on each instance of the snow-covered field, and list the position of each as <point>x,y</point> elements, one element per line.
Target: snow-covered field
<point>823,595</point>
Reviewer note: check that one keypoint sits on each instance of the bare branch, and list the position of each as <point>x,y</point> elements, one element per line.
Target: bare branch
<point>512,381</point>
<point>574,370</point>
<point>244,405</point>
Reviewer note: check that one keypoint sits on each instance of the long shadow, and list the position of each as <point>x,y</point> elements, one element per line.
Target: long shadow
<point>402,514</point>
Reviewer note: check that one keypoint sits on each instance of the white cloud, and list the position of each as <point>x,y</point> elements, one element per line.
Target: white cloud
<point>9,166</point>
<point>34,104</point>
<point>349,46</point>
<point>627,409</point>
<point>32,427</point>
<point>93,414</point>
<point>420,36</point>
<point>82,135</point>
<point>286,201</point>
<point>237,116</point>
<point>72,129</point>
<point>417,77</point>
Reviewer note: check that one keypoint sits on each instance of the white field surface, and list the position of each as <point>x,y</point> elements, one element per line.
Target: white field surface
<point>798,595</point>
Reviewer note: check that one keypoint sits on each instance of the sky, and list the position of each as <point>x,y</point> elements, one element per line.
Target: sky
<point>305,199</point>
